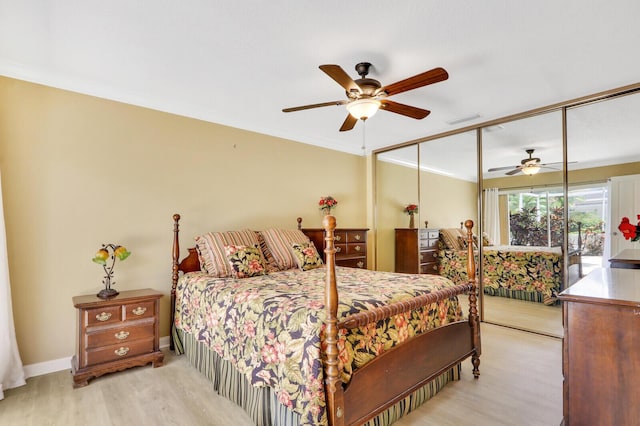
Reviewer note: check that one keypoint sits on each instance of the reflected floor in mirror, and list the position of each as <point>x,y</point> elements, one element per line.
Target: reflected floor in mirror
<point>524,315</point>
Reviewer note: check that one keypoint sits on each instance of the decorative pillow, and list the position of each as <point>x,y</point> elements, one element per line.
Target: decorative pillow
<point>449,237</point>
<point>210,246</point>
<point>279,243</point>
<point>485,240</point>
<point>306,256</point>
<point>270,261</point>
<point>245,261</point>
<point>464,244</point>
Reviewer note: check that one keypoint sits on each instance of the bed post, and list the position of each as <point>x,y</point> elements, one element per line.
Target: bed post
<point>333,385</point>
<point>474,320</point>
<point>174,276</point>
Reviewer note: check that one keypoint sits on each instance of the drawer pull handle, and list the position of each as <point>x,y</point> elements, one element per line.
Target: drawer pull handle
<point>357,237</point>
<point>360,264</point>
<point>338,249</point>
<point>103,316</point>
<point>121,335</point>
<point>122,351</point>
<point>358,248</point>
<point>139,310</point>
<point>338,238</point>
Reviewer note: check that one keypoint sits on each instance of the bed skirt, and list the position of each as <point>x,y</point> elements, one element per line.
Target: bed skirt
<point>530,296</point>
<point>261,403</point>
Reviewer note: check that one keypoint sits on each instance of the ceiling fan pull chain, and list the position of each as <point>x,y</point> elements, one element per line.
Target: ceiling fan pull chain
<point>364,127</point>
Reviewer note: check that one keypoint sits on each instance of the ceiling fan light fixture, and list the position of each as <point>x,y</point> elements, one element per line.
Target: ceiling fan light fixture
<point>531,169</point>
<point>364,108</point>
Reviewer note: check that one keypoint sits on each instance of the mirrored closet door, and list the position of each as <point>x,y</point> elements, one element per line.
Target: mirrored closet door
<point>523,213</point>
<point>603,179</point>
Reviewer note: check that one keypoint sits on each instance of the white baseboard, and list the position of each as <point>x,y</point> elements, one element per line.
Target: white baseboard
<point>46,367</point>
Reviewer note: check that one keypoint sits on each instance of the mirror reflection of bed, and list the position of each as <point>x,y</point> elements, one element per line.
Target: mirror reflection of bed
<point>599,143</point>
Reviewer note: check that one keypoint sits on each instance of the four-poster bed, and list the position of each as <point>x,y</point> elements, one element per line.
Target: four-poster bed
<point>366,355</point>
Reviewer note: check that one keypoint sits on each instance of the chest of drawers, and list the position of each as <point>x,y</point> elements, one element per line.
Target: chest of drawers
<point>600,362</point>
<point>116,334</point>
<point>350,243</point>
<point>416,250</point>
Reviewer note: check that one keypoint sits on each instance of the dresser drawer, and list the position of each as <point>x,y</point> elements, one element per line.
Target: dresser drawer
<point>428,256</point>
<point>138,310</point>
<point>118,351</point>
<point>352,263</point>
<point>103,315</point>
<point>429,233</point>
<point>427,244</point>
<point>356,249</point>
<point>340,237</point>
<point>429,268</point>
<point>357,236</point>
<point>341,250</point>
<point>119,335</point>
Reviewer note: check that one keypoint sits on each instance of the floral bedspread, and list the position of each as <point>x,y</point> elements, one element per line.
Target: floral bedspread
<point>270,327</point>
<point>509,270</point>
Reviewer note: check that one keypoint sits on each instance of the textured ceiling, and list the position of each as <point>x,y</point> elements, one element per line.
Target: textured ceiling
<point>240,63</point>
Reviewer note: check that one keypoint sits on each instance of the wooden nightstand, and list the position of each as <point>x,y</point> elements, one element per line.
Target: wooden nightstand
<point>116,334</point>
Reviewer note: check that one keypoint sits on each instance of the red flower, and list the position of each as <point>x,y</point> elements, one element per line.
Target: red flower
<point>629,231</point>
<point>411,209</point>
<point>327,203</point>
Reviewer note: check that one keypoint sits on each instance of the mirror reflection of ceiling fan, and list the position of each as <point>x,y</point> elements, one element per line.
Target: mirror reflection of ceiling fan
<point>366,95</point>
<point>528,166</point>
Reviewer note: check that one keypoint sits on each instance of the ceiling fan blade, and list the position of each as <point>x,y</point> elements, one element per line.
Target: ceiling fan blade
<point>428,77</point>
<point>513,172</point>
<point>324,104</point>
<point>341,77</point>
<point>496,169</point>
<point>402,109</point>
<point>559,163</point>
<point>349,122</point>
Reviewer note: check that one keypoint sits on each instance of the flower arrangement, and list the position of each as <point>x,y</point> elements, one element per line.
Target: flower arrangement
<point>106,253</point>
<point>630,231</point>
<point>411,209</point>
<point>327,203</point>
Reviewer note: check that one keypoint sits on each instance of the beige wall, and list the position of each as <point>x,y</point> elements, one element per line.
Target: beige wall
<point>78,171</point>
<point>444,202</point>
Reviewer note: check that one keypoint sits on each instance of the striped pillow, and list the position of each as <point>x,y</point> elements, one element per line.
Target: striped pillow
<point>210,246</point>
<point>279,243</point>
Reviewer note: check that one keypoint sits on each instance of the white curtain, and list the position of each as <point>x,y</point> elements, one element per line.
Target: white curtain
<point>11,371</point>
<point>492,215</point>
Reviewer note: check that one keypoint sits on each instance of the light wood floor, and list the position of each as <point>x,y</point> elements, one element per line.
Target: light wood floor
<point>520,384</point>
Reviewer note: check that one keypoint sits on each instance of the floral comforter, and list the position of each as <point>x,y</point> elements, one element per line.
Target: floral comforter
<point>270,327</point>
<point>529,273</point>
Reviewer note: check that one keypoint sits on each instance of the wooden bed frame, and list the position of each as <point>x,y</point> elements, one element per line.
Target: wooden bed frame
<point>396,373</point>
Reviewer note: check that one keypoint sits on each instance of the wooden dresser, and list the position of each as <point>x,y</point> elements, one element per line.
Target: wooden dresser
<point>351,245</point>
<point>626,259</point>
<point>417,250</point>
<point>116,334</point>
<point>601,348</point>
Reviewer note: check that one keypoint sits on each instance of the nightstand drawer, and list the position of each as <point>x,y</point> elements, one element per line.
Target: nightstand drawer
<point>139,310</point>
<point>119,335</point>
<point>118,351</point>
<point>102,315</point>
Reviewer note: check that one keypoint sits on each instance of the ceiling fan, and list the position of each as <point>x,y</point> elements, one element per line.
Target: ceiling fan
<point>528,166</point>
<point>366,95</point>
